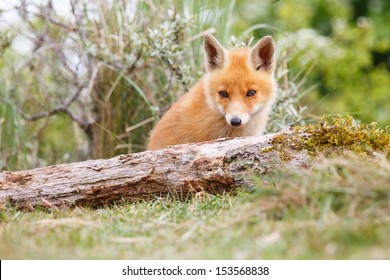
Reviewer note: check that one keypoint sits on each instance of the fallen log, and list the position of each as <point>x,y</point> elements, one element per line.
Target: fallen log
<point>180,171</point>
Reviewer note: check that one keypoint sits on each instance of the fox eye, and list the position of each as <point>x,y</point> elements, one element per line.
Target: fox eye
<point>250,93</point>
<point>223,94</point>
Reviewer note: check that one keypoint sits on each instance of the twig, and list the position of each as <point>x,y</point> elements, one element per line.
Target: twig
<point>131,128</point>
<point>200,35</point>
<point>285,78</point>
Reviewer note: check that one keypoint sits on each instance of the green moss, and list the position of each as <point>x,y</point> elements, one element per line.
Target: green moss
<point>345,133</point>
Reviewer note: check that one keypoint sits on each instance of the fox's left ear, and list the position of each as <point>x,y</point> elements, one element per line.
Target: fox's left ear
<point>262,55</point>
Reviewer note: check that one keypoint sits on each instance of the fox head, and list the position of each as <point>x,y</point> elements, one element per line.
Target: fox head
<point>240,83</point>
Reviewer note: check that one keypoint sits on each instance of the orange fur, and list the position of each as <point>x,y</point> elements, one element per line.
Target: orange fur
<point>202,114</point>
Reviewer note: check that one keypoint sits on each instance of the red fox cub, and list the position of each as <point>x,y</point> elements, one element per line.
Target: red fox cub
<point>232,100</point>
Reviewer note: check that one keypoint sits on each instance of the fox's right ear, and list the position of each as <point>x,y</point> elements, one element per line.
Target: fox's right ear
<point>215,54</point>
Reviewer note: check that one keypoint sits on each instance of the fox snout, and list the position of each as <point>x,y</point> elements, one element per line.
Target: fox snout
<point>237,119</point>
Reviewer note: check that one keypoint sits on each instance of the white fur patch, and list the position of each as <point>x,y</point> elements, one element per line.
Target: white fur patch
<point>220,108</point>
<point>207,93</point>
<point>245,118</point>
<point>257,108</point>
<point>228,118</point>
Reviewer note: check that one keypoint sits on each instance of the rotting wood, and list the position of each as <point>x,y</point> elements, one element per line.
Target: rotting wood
<point>180,171</point>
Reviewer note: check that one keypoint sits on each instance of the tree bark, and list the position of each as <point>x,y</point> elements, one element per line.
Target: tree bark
<point>178,171</point>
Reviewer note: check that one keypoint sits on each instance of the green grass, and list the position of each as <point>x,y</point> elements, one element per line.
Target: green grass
<point>338,210</point>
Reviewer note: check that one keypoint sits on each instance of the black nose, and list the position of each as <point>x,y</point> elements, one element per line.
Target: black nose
<point>235,121</point>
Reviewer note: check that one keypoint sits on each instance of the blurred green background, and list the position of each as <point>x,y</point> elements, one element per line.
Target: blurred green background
<point>89,79</point>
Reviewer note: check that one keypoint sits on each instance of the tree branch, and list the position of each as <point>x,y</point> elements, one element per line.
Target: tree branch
<point>64,108</point>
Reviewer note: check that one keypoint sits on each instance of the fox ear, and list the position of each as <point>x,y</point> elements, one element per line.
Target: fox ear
<point>215,54</point>
<point>262,55</point>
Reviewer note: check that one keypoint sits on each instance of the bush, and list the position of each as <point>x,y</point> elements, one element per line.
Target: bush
<point>102,74</point>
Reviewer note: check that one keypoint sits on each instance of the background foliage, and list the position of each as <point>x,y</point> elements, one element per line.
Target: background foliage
<point>84,79</point>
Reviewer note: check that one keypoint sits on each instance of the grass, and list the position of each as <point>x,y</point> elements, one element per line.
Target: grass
<point>338,210</point>
<point>13,137</point>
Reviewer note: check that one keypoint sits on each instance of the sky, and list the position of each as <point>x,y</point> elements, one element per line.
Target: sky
<point>10,18</point>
